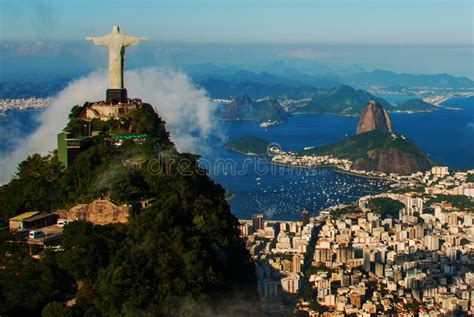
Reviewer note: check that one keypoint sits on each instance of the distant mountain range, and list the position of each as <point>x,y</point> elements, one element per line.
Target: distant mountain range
<point>228,89</point>
<point>298,96</point>
<point>341,100</point>
<point>275,79</point>
<point>383,78</point>
<point>325,77</point>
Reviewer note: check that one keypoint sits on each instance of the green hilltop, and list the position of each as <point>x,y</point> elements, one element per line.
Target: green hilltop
<point>378,151</point>
<point>413,105</point>
<point>181,256</point>
<point>245,108</point>
<point>249,145</point>
<point>341,100</point>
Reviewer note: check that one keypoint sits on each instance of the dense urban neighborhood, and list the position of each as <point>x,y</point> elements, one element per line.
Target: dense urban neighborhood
<point>404,254</point>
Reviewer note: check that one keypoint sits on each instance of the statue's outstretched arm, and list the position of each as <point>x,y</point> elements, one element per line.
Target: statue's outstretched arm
<point>98,40</point>
<point>130,40</point>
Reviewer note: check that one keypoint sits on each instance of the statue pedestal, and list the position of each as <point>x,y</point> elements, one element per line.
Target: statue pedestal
<point>115,96</point>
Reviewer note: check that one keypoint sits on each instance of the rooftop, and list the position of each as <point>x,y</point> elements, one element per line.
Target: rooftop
<point>24,216</point>
<point>38,216</point>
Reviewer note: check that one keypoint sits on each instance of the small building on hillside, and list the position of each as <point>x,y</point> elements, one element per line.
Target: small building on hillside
<point>69,147</point>
<point>32,220</point>
<point>100,212</point>
<point>106,111</point>
<point>16,223</point>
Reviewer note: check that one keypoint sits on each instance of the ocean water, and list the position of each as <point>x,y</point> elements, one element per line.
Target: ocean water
<point>15,126</point>
<point>281,192</point>
<point>446,135</point>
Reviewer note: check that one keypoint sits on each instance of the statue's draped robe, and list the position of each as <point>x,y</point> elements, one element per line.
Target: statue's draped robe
<point>116,44</point>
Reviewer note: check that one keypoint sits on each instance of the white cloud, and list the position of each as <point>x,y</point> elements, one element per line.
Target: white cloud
<point>187,111</point>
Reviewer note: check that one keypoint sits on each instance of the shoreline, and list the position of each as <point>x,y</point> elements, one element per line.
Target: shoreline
<point>338,170</point>
<point>4,112</point>
<point>243,153</point>
<point>329,166</point>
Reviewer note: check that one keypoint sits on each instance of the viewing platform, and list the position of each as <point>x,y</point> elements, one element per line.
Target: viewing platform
<point>105,111</point>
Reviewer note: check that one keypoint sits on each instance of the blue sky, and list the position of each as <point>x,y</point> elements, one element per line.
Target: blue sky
<point>254,21</point>
<point>416,36</point>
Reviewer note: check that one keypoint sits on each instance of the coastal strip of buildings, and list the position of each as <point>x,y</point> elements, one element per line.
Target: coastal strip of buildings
<point>23,104</point>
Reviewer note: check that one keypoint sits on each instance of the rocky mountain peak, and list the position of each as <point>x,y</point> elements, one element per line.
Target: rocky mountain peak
<point>374,117</point>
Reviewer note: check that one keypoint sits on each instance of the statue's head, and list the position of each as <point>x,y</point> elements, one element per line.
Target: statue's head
<point>115,29</point>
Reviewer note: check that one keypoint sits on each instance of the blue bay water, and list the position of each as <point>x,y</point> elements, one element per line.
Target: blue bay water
<point>282,193</point>
<point>15,126</point>
<point>446,135</point>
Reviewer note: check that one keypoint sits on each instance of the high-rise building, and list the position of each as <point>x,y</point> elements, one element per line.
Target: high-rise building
<point>345,281</point>
<point>291,284</point>
<point>355,299</point>
<point>432,242</point>
<point>381,255</point>
<point>453,218</point>
<point>296,263</point>
<point>451,253</point>
<point>257,222</point>
<point>355,278</point>
<point>270,230</point>
<point>467,220</point>
<point>344,255</point>
<point>412,205</point>
<point>322,255</point>
<point>379,269</point>
<point>246,229</point>
<point>440,170</point>
<point>366,255</point>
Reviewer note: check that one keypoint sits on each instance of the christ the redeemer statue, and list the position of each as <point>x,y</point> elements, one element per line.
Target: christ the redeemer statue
<point>116,43</point>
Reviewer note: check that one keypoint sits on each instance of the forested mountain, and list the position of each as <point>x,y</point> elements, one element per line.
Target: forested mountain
<point>181,256</point>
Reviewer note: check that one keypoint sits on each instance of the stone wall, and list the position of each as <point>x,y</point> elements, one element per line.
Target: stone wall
<point>99,212</point>
<point>104,111</point>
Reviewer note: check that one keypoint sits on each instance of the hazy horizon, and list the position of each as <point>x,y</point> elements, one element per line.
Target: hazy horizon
<point>77,58</point>
<point>420,37</point>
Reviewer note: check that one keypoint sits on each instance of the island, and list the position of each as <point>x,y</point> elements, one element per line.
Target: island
<point>249,145</point>
<point>413,105</point>
<point>265,110</point>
